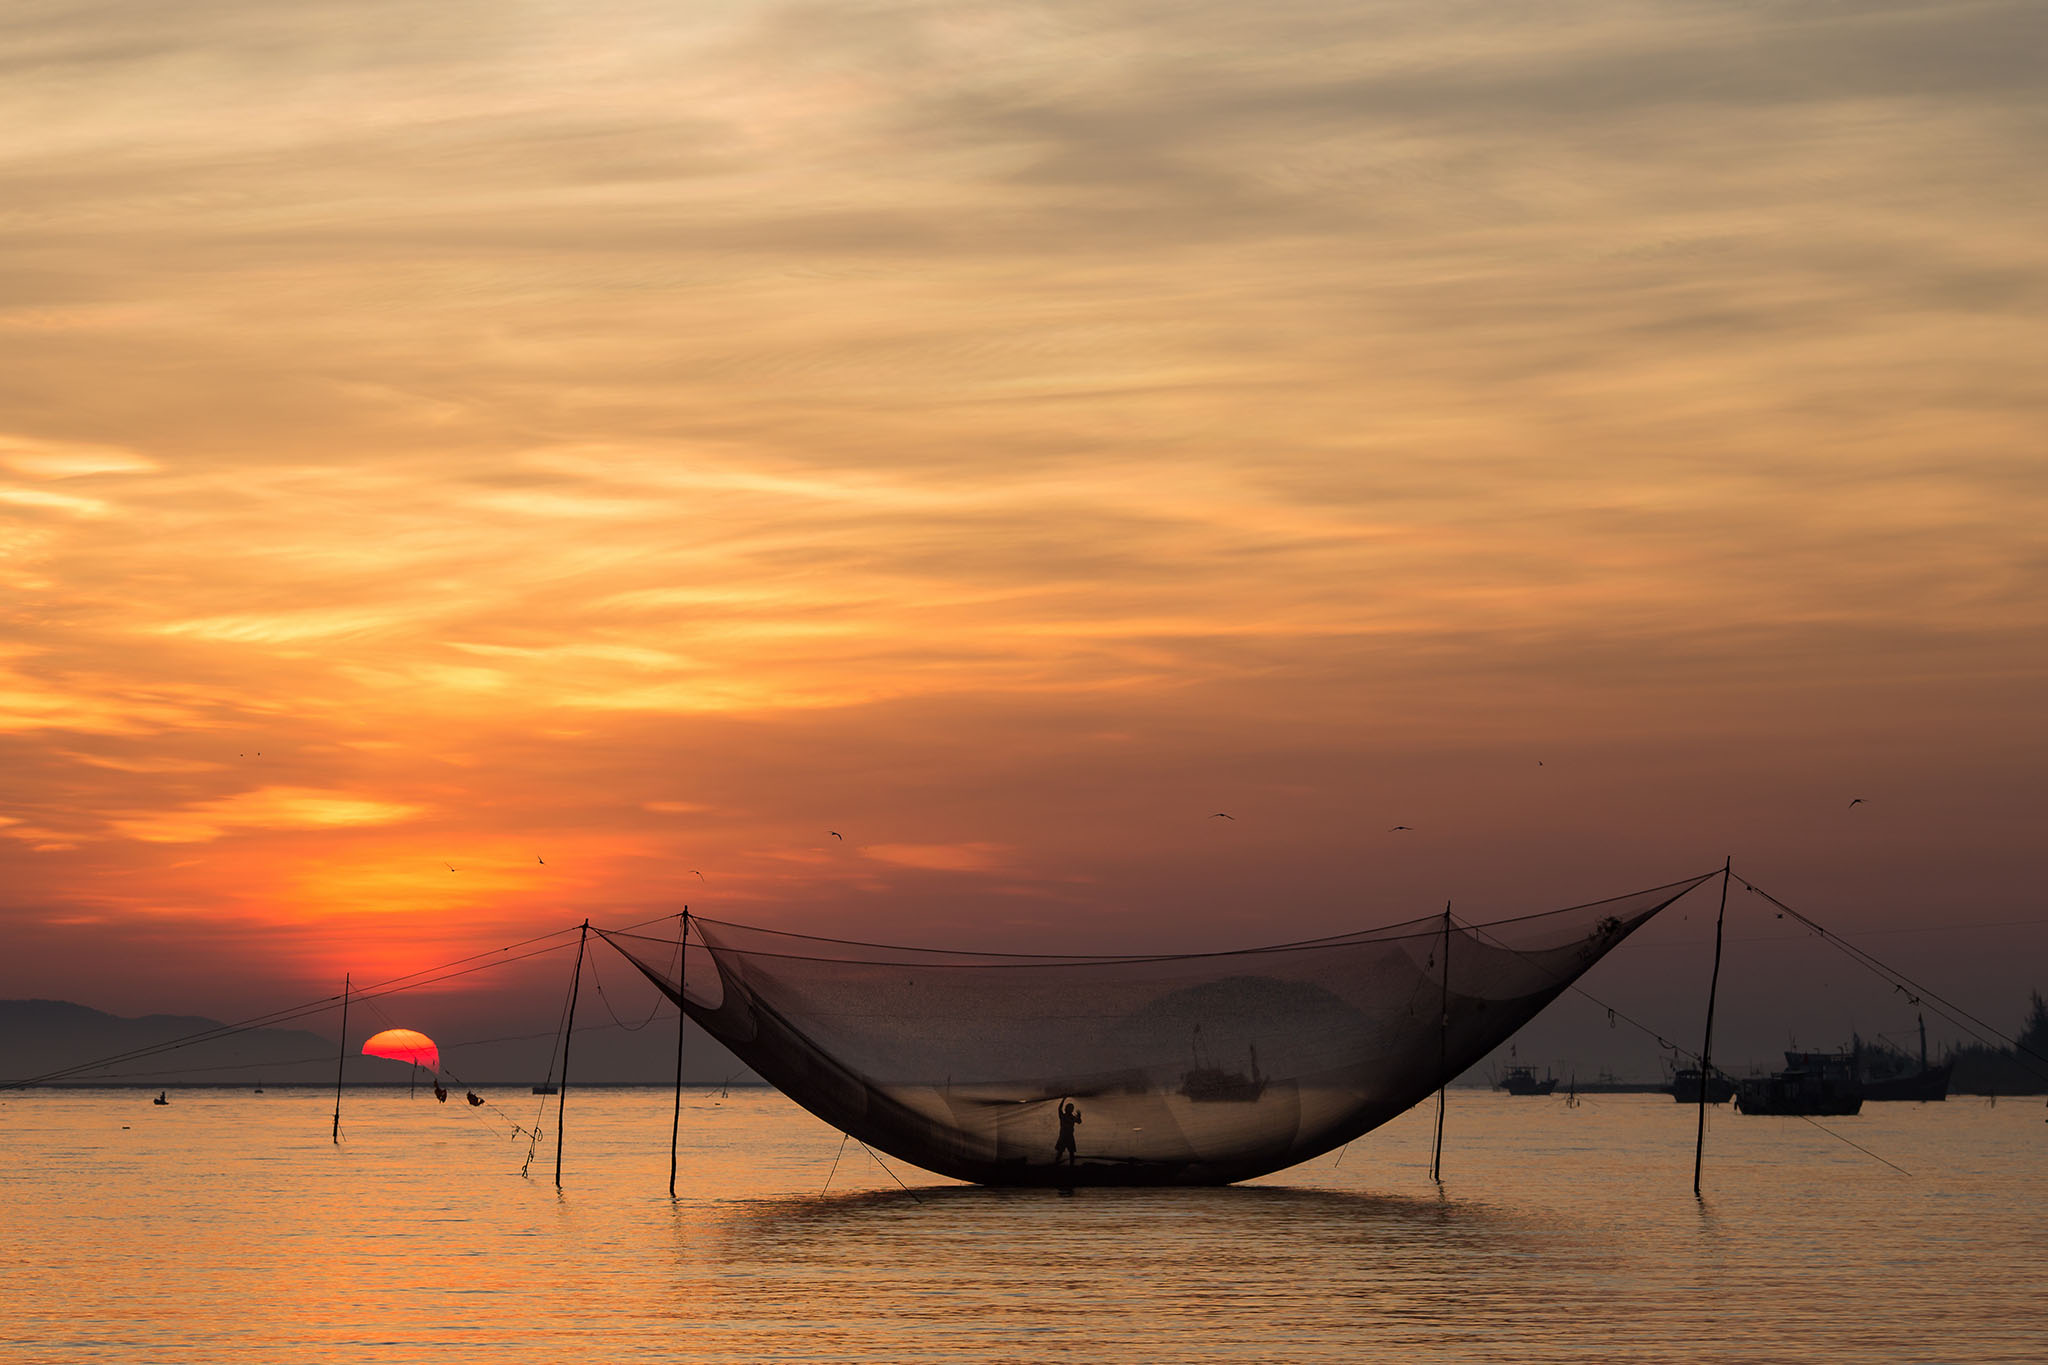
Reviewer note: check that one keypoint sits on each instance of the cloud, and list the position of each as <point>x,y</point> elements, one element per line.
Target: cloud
<point>264,809</point>
<point>510,419</point>
<point>967,857</point>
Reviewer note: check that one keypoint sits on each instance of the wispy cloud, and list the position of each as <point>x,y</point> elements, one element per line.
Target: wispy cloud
<point>571,418</point>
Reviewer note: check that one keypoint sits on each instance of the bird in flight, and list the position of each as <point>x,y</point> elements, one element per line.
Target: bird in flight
<point>450,866</point>
<point>1223,815</point>
<point>1857,802</point>
<point>837,835</point>
<point>699,875</point>
<point>542,861</point>
<point>1398,828</point>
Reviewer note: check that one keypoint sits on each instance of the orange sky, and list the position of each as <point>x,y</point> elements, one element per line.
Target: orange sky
<point>648,437</point>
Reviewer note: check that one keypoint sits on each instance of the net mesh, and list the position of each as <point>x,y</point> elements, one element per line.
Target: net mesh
<point>1186,1069</point>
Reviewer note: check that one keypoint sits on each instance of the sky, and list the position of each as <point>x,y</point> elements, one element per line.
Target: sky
<point>469,468</point>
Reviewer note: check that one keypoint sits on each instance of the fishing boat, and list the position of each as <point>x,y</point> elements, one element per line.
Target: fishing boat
<point>962,1062</point>
<point>1813,1084</point>
<point>1883,1071</point>
<point>1520,1080</point>
<point>1685,1086</point>
<point>1207,1084</point>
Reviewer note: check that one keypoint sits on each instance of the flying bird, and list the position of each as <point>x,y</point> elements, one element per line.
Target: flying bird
<point>699,875</point>
<point>449,866</point>
<point>542,861</point>
<point>837,835</point>
<point>1857,802</point>
<point>1401,827</point>
<point>1223,815</point>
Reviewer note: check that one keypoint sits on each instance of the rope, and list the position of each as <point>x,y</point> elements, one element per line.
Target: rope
<point>835,1164</point>
<point>540,1110</point>
<point>1857,1145</point>
<point>1613,1012</point>
<point>598,981</point>
<point>425,976</point>
<point>1428,928</point>
<point>886,1171</point>
<point>286,1015</point>
<point>445,1070</point>
<point>1914,992</point>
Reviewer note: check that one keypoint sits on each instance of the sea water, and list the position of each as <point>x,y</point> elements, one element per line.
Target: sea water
<point>228,1226</point>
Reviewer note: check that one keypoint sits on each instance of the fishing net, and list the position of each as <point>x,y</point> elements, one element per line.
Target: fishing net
<point>1197,1068</point>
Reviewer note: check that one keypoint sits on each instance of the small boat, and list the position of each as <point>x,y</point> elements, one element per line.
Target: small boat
<point>1520,1080</point>
<point>1206,1084</point>
<point>547,1088</point>
<point>1685,1086</point>
<point>1813,1084</point>
<point>1931,1084</point>
<point>1884,1075</point>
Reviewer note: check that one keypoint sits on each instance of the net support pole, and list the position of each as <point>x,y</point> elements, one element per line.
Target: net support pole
<point>675,1123</point>
<point>1443,1055</point>
<point>568,1037</point>
<point>341,1059</point>
<point>1699,1147</point>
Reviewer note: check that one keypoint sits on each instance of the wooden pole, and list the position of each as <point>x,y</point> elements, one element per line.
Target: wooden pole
<point>340,1060</point>
<point>1443,1055</point>
<point>682,974</point>
<point>568,1036</point>
<point>1699,1149</point>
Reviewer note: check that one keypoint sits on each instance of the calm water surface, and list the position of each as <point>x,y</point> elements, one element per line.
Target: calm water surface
<point>227,1227</point>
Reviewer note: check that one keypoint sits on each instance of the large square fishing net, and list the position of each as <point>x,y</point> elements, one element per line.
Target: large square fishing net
<point>1199,1068</point>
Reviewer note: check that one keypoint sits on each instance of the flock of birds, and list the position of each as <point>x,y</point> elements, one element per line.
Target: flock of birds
<point>1219,815</point>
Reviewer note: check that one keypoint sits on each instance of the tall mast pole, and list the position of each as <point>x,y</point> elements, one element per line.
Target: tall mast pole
<point>568,1036</point>
<point>1699,1149</point>
<point>341,1059</point>
<point>682,974</point>
<point>1443,1055</point>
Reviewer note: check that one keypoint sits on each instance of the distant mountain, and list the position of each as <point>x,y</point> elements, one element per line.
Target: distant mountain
<point>39,1037</point>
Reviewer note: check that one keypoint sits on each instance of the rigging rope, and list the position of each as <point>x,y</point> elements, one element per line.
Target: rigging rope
<point>886,1171</point>
<point>1914,992</point>
<point>1858,1146</point>
<point>597,980</point>
<point>425,976</point>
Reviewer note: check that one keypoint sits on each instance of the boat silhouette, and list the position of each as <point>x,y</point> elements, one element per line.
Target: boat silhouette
<point>1206,1084</point>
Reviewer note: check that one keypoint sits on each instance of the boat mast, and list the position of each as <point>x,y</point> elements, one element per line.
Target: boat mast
<point>1699,1149</point>
<point>1923,1044</point>
<point>1443,1059</point>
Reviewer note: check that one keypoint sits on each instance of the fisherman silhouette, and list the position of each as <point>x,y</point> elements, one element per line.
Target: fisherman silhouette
<point>162,1097</point>
<point>1070,1114</point>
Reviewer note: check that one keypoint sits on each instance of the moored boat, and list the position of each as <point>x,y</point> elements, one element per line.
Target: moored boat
<point>1685,1086</point>
<point>1882,1069</point>
<point>1813,1084</point>
<point>1520,1080</point>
